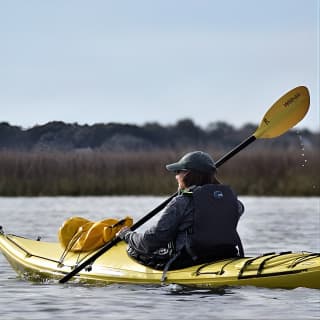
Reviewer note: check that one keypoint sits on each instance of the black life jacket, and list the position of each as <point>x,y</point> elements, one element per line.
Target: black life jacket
<point>215,222</point>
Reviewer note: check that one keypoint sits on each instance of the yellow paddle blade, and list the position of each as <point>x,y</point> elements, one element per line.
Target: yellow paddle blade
<point>284,114</point>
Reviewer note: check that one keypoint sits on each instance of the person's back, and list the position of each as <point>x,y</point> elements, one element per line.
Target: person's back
<point>213,233</point>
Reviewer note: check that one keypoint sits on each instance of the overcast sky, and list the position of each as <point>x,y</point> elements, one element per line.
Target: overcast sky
<point>155,61</point>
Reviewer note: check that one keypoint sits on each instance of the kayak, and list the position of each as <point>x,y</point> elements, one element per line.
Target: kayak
<point>37,260</point>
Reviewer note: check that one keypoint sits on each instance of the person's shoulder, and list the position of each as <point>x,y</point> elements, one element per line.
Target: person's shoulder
<point>182,200</point>
<point>213,187</point>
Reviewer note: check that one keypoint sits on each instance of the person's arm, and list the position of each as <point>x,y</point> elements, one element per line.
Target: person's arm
<point>163,232</point>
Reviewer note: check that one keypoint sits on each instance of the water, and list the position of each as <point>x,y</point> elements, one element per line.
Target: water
<point>269,224</point>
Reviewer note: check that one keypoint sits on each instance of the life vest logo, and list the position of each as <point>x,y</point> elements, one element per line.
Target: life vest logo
<point>291,100</point>
<point>218,194</point>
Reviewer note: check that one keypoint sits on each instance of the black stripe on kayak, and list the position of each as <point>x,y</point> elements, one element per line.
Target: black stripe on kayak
<point>272,274</point>
<point>248,262</point>
<point>220,272</point>
<point>305,258</point>
<point>262,264</point>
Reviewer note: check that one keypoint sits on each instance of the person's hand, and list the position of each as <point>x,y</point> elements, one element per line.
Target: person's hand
<point>122,232</point>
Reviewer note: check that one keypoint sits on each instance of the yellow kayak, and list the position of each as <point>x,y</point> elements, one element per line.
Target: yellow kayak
<point>39,260</point>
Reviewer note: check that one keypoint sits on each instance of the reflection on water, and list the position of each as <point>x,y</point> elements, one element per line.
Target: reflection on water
<point>174,289</point>
<point>269,224</point>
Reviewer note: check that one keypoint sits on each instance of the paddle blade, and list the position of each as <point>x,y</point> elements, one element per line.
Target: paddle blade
<point>284,114</point>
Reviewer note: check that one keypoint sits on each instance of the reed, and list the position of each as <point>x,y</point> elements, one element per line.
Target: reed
<point>143,173</point>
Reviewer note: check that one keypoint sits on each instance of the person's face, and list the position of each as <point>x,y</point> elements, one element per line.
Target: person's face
<point>179,177</point>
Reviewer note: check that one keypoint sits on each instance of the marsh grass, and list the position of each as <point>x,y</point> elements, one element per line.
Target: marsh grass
<point>80,173</point>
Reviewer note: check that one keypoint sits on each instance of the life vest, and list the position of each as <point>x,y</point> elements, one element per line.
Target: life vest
<point>215,222</point>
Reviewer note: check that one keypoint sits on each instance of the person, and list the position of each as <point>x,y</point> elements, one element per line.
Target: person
<point>199,225</point>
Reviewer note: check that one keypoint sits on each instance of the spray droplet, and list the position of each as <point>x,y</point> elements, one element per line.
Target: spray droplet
<point>303,160</point>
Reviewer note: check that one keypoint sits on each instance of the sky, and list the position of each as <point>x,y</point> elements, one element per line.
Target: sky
<point>143,61</point>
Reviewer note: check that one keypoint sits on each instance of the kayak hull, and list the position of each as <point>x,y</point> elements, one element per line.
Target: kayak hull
<point>41,261</point>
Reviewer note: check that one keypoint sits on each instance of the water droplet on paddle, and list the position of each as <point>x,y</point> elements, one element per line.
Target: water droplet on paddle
<point>302,148</point>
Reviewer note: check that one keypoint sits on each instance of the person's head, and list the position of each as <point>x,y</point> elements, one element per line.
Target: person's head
<point>194,168</point>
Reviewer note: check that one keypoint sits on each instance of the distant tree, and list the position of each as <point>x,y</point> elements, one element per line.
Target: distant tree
<point>12,137</point>
<point>220,127</point>
<point>185,132</point>
<point>222,135</point>
<point>159,135</point>
<point>55,135</point>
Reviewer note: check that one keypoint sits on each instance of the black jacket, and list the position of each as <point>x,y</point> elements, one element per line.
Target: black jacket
<point>178,217</point>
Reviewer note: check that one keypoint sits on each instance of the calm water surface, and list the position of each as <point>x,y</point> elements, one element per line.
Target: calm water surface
<point>269,224</point>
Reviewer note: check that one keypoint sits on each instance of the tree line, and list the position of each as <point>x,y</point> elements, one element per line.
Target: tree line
<point>184,134</point>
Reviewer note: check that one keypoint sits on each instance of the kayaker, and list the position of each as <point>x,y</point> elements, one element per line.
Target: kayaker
<point>198,226</point>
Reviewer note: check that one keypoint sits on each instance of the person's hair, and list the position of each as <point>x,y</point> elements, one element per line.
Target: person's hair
<point>196,178</point>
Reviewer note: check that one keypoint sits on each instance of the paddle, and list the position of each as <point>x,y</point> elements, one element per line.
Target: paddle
<point>283,115</point>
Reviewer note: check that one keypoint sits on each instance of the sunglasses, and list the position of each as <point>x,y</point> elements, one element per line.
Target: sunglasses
<point>180,171</point>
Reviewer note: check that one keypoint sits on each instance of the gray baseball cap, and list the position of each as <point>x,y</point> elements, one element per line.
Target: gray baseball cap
<point>196,160</point>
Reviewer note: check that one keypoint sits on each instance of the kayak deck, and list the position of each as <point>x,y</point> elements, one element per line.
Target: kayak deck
<point>39,260</point>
